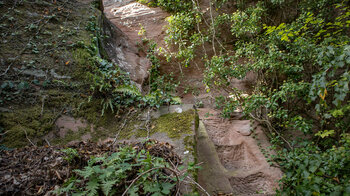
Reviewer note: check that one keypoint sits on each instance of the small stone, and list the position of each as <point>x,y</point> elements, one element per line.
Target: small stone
<point>178,110</point>
<point>242,127</point>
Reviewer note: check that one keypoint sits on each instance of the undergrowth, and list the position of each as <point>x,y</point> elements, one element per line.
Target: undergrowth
<point>127,171</point>
<point>169,5</point>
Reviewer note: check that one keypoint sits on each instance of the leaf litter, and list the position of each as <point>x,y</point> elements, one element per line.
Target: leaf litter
<point>39,170</point>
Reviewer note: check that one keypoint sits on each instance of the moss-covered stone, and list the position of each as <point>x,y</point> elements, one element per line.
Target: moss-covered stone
<point>174,124</point>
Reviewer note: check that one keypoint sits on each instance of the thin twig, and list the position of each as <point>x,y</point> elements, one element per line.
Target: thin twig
<point>180,68</point>
<point>198,28</point>
<point>13,61</point>
<point>58,115</point>
<point>213,28</point>
<point>1,134</point>
<point>205,21</point>
<point>27,137</point>
<point>271,128</point>
<point>148,119</point>
<point>121,128</point>
<point>42,105</point>
<point>198,185</point>
<point>197,66</point>
<point>48,143</point>
<point>191,180</point>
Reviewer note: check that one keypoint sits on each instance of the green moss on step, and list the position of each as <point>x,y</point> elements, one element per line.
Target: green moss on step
<point>83,60</point>
<point>91,111</point>
<point>174,124</point>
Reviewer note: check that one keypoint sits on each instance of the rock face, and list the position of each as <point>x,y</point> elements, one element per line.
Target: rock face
<point>122,21</point>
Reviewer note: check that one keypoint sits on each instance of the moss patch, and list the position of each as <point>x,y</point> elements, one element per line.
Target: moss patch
<point>174,124</point>
<point>23,121</point>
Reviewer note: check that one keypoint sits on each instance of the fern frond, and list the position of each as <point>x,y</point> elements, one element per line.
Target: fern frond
<point>79,193</point>
<point>128,89</point>
<point>92,187</point>
<point>85,173</point>
<point>107,186</point>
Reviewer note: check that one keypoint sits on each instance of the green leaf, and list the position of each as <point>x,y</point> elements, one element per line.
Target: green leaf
<point>80,194</point>
<point>313,168</point>
<point>314,165</point>
<point>325,133</point>
<point>347,190</point>
<point>133,191</point>
<point>151,187</point>
<point>4,85</point>
<point>157,194</point>
<point>23,85</point>
<point>166,187</point>
<point>306,174</point>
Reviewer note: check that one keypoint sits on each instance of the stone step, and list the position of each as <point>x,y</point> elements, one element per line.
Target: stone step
<point>231,154</point>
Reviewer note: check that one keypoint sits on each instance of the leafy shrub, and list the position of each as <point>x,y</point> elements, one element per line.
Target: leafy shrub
<point>302,70</point>
<point>172,6</point>
<point>248,21</point>
<point>181,34</point>
<point>163,85</point>
<point>310,170</point>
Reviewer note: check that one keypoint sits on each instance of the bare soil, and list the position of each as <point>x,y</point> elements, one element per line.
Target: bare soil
<point>39,170</point>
